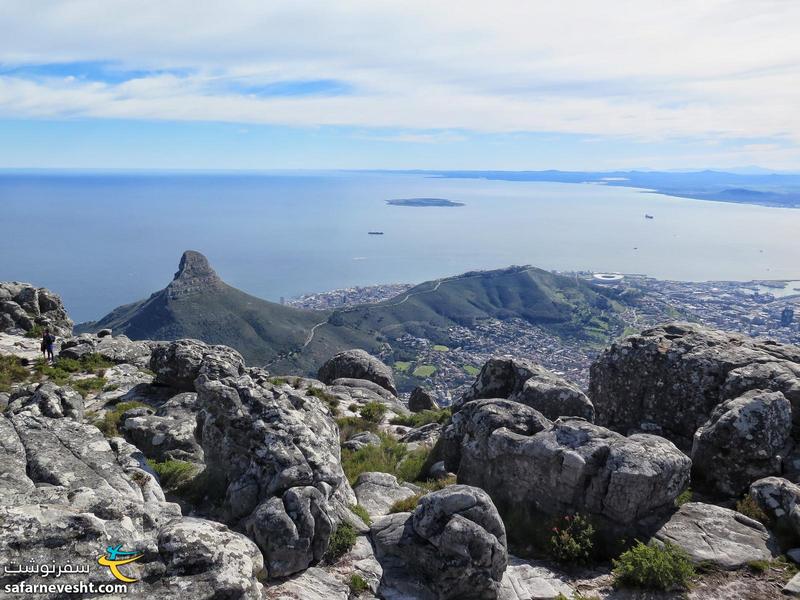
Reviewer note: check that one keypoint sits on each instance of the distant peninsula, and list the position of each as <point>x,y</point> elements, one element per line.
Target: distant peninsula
<point>423,202</point>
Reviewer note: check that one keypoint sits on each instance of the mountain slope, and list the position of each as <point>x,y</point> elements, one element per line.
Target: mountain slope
<point>198,304</point>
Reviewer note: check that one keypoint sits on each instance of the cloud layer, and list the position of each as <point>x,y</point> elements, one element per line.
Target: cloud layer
<point>645,69</point>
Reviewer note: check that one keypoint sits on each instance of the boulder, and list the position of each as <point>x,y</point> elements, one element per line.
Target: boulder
<point>718,536</point>
<point>523,460</point>
<point>49,400</point>
<point>357,364</point>
<point>274,453</point>
<point>362,440</point>
<point>118,350</point>
<point>780,501</point>
<point>426,435</point>
<point>358,392</point>
<point>454,542</point>
<point>526,382</point>
<point>669,379</point>
<point>742,441</point>
<point>420,400</point>
<point>377,492</point>
<point>179,363</point>
<point>23,306</point>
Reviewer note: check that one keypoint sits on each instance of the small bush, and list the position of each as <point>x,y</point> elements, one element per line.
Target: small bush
<point>572,540</point>
<point>109,423</point>
<point>384,458</point>
<point>410,466</point>
<point>654,567</point>
<point>93,363</point>
<point>373,411</point>
<point>11,371</point>
<point>329,399</point>
<point>684,497</point>
<point>70,365</point>
<point>349,426</point>
<point>88,385</point>
<point>750,508</point>
<point>406,504</point>
<point>342,540</point>
<point>362,513</point>
<point>759,566</point>
<point>433,485</point>
<point>173,473</point>
<point>357,584</point>
<point>35,332</point>
<point>422,418</point>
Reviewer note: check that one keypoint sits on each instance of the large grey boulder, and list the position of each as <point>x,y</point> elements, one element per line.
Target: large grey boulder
<point>168,433</point>
<point>454,542</point>
<point>527,462</point>
<point>669,379</point>
<point>23,306</point>
<point>742,441</point>
<point>377,492</point>
<point>357,364</point>
<point>718,536</point>
<point>118,350</point>
<point>274,452</point>
<point>49,400</point>
<point>531,384</point>
<point>179,363</point>
<point>421,399</point>
<point>780,501</point>
<point>358,392</point>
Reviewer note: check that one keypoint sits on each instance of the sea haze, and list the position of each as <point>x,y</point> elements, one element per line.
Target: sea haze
<point>101,240</point>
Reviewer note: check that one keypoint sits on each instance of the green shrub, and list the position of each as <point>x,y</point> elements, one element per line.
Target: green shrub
<point>384,458</point>
<point>750,508</point>
<point>342,540</point>
<point>357,584</point>
<point>109,423</point>
<point>70,365</point>
<point>173,473</point>
<point>422,418</point>
<point>88,385</point>
<point>362,513</point>
<point>35,332</point>
<point>433,485</point>
<point>572,540</point>
<point>373,411</point>
<point>11,371</point>
<point>684,497</point>
<point>329,399</point>
<point>410,466</point>
<point>349,426</point>
<point>759,566</point>
<point>52,372</point>
<point>93,363</point>
<point>406,504</point>
<point>654,567</point>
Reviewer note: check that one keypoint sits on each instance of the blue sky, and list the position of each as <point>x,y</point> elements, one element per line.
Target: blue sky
<point>355,84</point>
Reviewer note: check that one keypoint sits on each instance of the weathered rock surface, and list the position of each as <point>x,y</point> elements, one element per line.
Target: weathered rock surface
<point>525,580</point>
<point>426,435</point>
<point>275,454</point>
<point>742,441</point>
<point>669,379</point>
<point>780,500</point>
<point>361,440</point>
<point>358,392</point>
<point>117,349</point>
<point>421,399</point>
<point>49,400</point>
<point>357,364</point>
<point>168,433</point>
<point>719,536</point>
<point>526,382</point>
<point>454,541</point>
<point>377,492</point>
<point>524,460</point>
<point>23,306</point>
<point>179,363</point>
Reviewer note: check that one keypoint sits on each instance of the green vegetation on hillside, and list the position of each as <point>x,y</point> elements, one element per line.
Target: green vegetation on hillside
<point>423,371</point>
<point>11,371</point>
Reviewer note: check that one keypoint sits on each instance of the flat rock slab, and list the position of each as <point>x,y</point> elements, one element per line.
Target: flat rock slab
<point>793,587</point>
<point>527,580</point>
<point>311,584</point>
<point>721,536</point>
<point>377,492</point>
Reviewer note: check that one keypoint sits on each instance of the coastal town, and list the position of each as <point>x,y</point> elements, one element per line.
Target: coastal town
<point>763,309</point>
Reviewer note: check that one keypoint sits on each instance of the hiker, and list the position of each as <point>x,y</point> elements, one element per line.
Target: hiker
<point>48,341</point>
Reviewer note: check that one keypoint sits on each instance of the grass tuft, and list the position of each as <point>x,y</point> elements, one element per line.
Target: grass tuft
<point>342,540</point>
<point>423,418</point>
<point>173,473</point>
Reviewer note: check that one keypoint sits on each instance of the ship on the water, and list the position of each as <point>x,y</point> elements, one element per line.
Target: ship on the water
<point>646,216</point>
<point>375,233</point>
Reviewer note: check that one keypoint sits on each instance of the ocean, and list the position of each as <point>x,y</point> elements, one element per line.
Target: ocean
<point>105,239</point>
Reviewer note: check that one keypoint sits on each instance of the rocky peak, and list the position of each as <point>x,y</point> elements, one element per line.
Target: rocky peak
<point>194,275</point>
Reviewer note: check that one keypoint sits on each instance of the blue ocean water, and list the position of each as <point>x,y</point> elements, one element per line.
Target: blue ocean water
<point>105,239</point>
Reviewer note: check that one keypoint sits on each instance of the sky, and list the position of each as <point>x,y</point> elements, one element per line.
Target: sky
<point>351,84</point>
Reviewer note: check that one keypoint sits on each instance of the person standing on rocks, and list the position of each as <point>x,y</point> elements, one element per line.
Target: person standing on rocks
<point>48,341</point>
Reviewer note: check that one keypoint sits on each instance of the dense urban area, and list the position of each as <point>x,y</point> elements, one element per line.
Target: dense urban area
<point>756,308</point>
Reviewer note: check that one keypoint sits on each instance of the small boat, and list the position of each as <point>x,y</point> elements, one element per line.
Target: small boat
<point>646,216</point>
<point>375,233</point>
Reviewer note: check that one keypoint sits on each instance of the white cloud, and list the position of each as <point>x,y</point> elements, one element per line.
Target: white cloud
<point>643,68</point>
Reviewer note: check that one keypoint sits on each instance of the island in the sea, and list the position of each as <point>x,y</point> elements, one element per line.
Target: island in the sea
<point>423,202</point>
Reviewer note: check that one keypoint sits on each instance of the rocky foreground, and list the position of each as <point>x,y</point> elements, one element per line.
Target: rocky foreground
<point>232,482</point>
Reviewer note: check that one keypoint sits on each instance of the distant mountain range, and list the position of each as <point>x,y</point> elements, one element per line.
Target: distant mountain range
<point>198,304</point>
